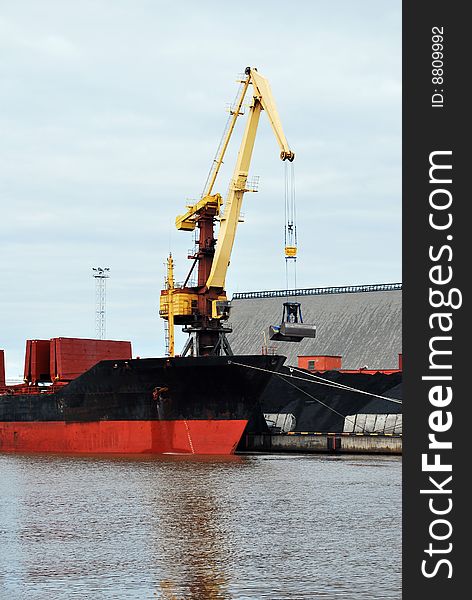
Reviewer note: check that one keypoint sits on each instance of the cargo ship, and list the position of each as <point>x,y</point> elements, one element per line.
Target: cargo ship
<point>151,405</point>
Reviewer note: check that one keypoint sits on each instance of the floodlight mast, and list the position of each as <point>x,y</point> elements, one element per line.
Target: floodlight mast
<point>100,275</point>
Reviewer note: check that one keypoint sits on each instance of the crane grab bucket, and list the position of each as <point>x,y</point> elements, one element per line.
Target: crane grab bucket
<point>292,327</point>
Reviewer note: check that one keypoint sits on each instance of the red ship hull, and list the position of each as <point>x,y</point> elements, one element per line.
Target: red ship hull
<point>136,437</point>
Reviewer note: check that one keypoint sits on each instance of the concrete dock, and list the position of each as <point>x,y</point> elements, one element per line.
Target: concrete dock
<point>306,442</point>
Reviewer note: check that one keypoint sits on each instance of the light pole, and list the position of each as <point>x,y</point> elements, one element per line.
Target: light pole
<point>101,275</point>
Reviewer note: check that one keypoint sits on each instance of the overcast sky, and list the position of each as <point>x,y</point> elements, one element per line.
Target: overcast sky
<point>110,115</point>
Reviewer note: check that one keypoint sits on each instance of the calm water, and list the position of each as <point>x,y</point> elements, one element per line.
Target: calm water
<point>295,527</point>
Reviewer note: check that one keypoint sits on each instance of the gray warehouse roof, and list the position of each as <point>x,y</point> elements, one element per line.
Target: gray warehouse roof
<point>363,324</point>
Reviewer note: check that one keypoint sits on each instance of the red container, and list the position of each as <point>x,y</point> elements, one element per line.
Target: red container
<point>70,357</point>
<point>37,361</point>
<point>400,362</point>
<point>2,369</point>
<point>320,362</point>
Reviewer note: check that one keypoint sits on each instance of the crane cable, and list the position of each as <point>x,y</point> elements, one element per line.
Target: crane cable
<point>223,135</point>
<point>290,229</point>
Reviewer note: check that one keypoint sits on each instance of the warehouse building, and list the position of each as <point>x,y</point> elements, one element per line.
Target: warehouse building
<point>361,324</point>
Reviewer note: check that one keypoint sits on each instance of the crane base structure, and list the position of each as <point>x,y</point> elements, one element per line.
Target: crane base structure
<point>207,341</point>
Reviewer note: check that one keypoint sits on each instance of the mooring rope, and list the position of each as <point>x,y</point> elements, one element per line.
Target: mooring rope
<point>353,423</point>
<point>323,381</point>
<point>346,387</point>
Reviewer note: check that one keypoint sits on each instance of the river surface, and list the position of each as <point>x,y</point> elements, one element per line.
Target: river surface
<point>200,528</point>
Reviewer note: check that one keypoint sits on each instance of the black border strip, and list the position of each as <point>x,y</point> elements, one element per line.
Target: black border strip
<point>435,126</point>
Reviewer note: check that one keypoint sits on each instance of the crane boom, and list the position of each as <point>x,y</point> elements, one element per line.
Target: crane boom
<point>235,113</point>
<point>264,94</point>
<point>262,99</point>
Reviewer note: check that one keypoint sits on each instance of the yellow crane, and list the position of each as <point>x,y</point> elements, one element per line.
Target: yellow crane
<point>204,307</point>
